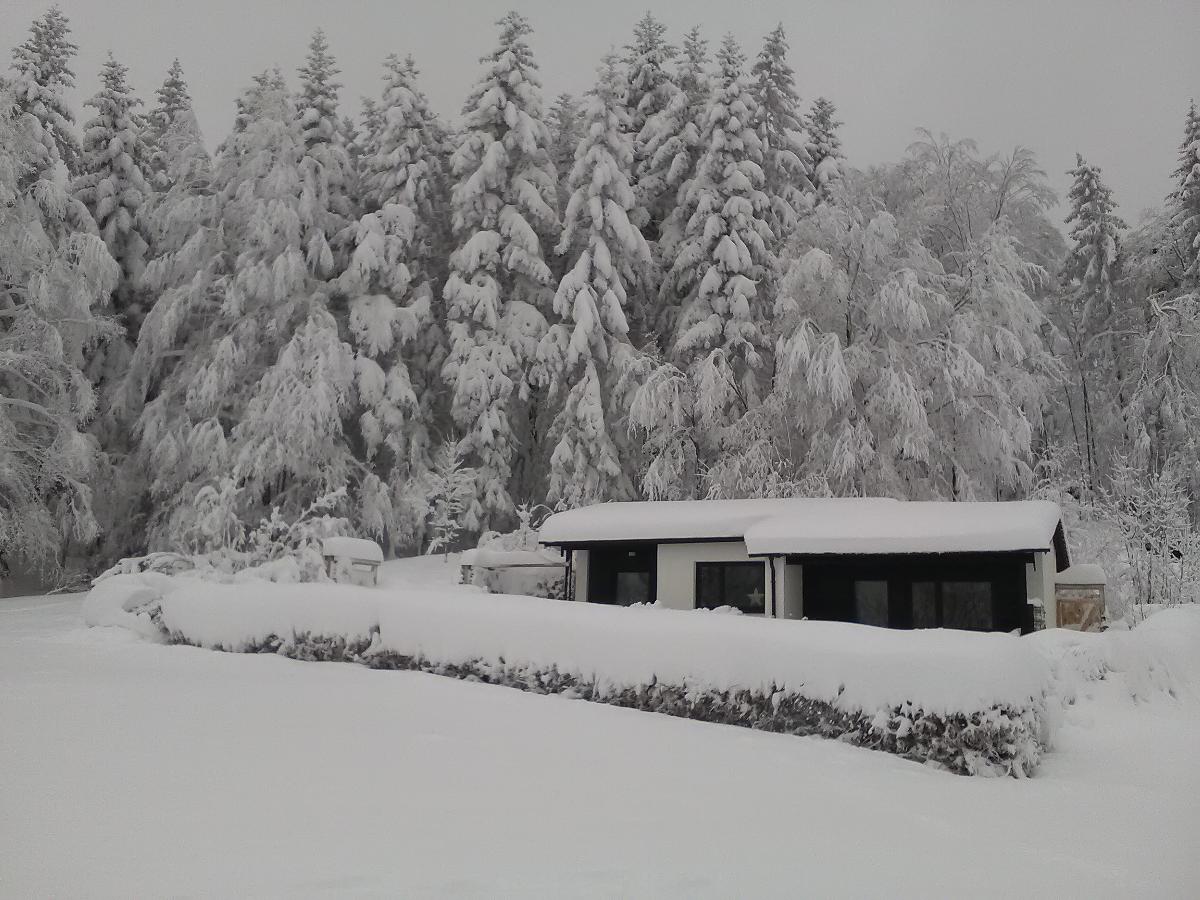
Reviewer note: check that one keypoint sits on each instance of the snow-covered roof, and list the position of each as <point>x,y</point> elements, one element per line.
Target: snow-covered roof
<point>353,548</point>
<point>676,520</point>
<point>911,527</point>
<point>817,526</point>
<point>1082,573</point>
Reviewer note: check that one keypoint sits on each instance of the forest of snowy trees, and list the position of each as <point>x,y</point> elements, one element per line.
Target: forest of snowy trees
<point>672,287</point>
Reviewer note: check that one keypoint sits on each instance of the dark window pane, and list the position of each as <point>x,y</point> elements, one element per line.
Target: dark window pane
<point>739,584</point>
<point>924,604</point>
<point>871,603</point>
<point>744,583</point>
<point>708,586</point>
<point>633,587</point>
<point>967,604</point>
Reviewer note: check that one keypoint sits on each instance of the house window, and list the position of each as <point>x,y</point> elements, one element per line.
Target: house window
<point>741,585</point>
<point>924,604</point>
<point>967,604</point>
<point>871,602</point>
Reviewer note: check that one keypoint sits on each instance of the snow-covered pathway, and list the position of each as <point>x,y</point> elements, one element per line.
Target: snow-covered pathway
<point>134,769</point>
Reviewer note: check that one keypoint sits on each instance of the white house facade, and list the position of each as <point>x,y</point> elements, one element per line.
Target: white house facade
<point>901,564</point>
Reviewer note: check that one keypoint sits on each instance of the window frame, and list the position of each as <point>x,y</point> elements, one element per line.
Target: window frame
<point>723,566</point>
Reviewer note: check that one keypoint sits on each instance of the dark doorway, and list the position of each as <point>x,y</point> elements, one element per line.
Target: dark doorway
<point>973,592</point>
<point>623,574</point>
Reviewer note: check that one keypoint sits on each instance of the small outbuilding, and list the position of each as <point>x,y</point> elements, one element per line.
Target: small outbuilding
<point>981,566</point>
<point>1079,597</point>
<point>352,560</point>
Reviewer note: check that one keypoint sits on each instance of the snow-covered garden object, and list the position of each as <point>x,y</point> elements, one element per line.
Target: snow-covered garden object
<point>973,703</point>
<point>1079,596</point>
<point>535,573</point>
<point>352,560</point>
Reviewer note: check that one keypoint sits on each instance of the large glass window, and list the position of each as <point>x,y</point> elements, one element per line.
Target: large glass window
<point>967,604</point>
<point>871,602</point>
<point>741,585</point>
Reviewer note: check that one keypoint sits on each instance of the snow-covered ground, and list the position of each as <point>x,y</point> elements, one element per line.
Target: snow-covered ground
<point>129,768</point>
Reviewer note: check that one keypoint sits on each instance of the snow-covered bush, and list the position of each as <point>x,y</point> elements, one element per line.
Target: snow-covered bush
<point>971,703</point>
<point>497,556</point>
<point>221,549</point>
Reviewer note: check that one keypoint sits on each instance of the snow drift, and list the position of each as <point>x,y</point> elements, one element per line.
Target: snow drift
<point>972,703</point>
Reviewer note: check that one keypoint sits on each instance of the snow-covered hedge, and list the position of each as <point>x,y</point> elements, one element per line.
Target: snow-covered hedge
<point>973,703</point>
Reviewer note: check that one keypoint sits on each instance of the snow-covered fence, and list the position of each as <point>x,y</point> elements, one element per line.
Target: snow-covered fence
<point>973,703</point>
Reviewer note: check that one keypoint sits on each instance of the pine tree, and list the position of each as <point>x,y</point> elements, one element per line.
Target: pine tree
<point>266,382</point>
<point>824,146</point>
<point>112,184</point>
<point>565,121</point>
<point>1186,197</point>
<point>503,201</point>
<point>326,206</point>
<point>173,98</point>
<point>651,90</point>
<point>42,75</point>
<point>56,275</point>
<point>670,143</point>
<point>1088,319</point>
<point>725,246</point>
<point>787,168</point>
<point>393,277</point>
<point>588,349</point>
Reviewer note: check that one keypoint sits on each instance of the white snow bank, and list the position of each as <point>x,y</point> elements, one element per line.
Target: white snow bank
<point>1159,657</point>
<point>127,600</point>
<point>853,667</point>
<point>233,617</point>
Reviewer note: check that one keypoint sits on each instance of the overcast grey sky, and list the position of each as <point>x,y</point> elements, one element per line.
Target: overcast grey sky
<point>1106,78</point>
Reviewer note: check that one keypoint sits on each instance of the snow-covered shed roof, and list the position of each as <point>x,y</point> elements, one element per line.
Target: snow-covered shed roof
<point>1082,573</point>
<point>817,526</point>
<point>352,548</point>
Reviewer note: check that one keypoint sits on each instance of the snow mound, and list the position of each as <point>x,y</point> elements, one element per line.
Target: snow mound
<point>238,617</point>
<point>970,702</point>
<point>128,601</point>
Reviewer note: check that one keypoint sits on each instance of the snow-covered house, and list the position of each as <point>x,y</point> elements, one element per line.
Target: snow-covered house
<point>901,564</point>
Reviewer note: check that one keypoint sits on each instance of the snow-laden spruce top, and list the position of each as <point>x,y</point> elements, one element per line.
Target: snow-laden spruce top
<point>839,525</point>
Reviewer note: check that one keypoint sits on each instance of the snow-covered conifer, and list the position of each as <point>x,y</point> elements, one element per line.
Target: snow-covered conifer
<point>1186,196</point>
<point>824,145</point>
<point>57,274</point>
<point>326,205</point>
<point>725,247</point>
<point>112,184</point>
<point>586,351</point>
<point>448,489</point>
<point>173,98</point>
<point>41,77</point>
<point>1088,319</point>
<point>498,289</point>
<point>651,90</point>
<point>787,168</point>
<point>565,121</point>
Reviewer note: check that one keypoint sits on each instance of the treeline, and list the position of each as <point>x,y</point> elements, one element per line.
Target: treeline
<point>674,287</point>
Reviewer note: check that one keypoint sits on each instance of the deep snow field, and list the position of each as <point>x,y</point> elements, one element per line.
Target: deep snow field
<point>129,768</point>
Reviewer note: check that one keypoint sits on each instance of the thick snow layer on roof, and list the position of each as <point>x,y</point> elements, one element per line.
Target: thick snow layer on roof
<point>841,525</point>
<point>1083,573</point>
<point>681,520</point>
<point>910,527</point>
<point>354,548</point>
